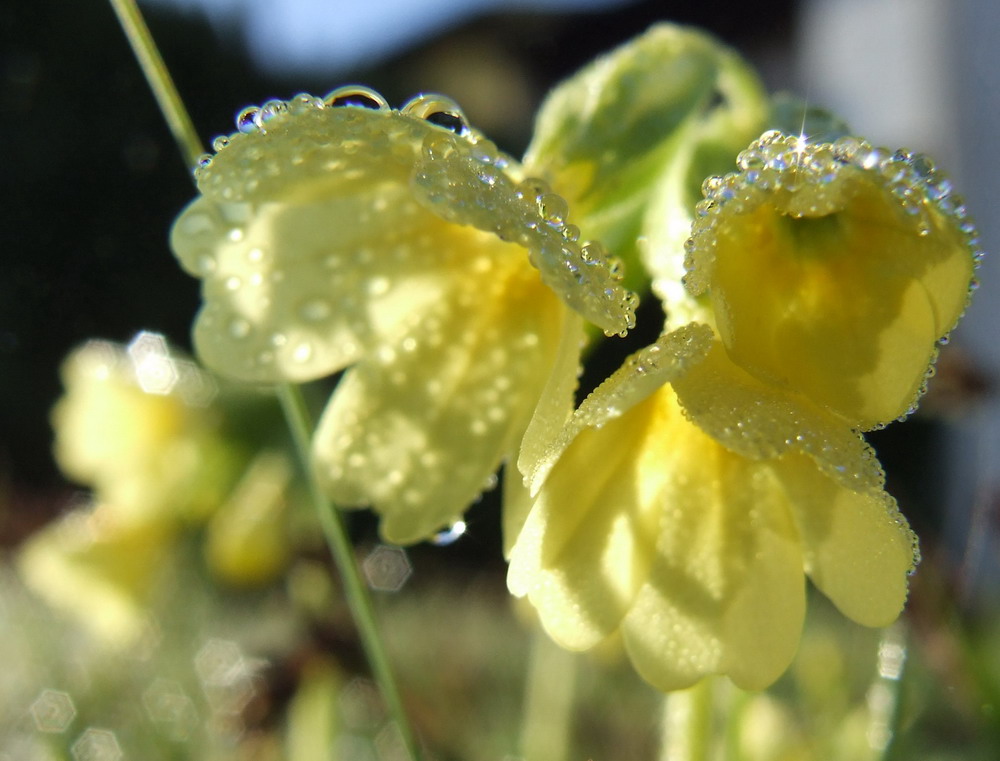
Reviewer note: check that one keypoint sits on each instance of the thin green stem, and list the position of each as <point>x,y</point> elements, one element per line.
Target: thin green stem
<point>160,81</point>
<point>687,723</point>
<point>296,413</point>
<point>355,590</point>
<point>548,701</point>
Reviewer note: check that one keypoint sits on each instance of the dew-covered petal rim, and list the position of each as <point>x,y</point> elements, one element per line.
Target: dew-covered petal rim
<point>374,176</point>
<point>759,421</point>
<point>642,373</point>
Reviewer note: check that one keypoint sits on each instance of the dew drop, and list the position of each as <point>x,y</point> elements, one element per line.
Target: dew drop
<point>239,328</point>
<point>303,352</point>
<point>315,310</point>
<point>220,142</point>
<point>356,95</point>
<point>233,283</point>
<point>246,119</point>
<point>438,110</point>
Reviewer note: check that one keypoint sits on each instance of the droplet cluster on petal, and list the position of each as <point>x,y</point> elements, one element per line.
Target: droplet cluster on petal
<point>806,179</point>
<point>456,172</point>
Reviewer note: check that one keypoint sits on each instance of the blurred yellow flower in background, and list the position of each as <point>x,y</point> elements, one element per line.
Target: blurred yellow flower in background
<point>142,428</point>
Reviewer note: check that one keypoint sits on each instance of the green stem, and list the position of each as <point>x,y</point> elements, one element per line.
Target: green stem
<point>355,590</point>
<point>687,723</point>
<point>296,413</point>
<point>160,81</point>
<point>548,701</point>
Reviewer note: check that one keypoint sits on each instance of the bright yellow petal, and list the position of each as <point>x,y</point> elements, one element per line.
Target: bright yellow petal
<point>859,549</point>
<point>418,429</point>
<point>834,270</point>
<point>644,372</point>
<point>726,591</point>
<point>323,234</point>
<point>586,544</point>
<point>760,421</point>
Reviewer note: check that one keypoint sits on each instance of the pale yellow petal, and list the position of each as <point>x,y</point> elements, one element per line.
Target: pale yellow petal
<point>588,543</point>
<point>326,233</point>
<point>419,428</point>
<point>760,421</point>
<point>859,549</point>
<point>726,592</point>
<point>643,373</point>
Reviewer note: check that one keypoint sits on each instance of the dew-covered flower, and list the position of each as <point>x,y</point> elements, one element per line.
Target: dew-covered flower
<point>834,269</point>
<point>340,233</point>
<point>723,464</point>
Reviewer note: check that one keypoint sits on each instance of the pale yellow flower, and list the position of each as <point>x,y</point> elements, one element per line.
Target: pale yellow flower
<point>692,492</point>
<point>403,245</point>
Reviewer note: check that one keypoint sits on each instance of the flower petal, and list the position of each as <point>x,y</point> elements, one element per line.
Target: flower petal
<point>726,591</point>
<point>859,549</point>
<point>319,236</point>
<point>586,545</point>
<point>418,429</point>
<point>644,372</point>
<point>588,542</point>
<point>760,421</point>
<point>833,270</point>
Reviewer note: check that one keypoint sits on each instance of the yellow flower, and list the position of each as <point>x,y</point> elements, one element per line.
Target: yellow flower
<point>136,425</point>
<point>833,270</point>
<point>402,244</point>
<point>688,496</point>
<point>646,523</point>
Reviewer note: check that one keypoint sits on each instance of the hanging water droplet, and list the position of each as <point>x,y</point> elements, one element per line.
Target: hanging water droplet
<point>356,95</point>
<point>553,209</point>
<point>450,535</point>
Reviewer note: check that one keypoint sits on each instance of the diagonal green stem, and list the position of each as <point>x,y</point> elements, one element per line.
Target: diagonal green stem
<point>290,396</point>
<point>358,599</point>
<point>160,81</point>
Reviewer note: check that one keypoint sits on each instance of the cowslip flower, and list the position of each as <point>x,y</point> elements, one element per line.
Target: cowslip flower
<point>401,244</point>
<point>144,430</point>
<point>723,464</point>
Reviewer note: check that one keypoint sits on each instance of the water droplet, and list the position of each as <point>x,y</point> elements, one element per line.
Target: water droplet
<point>450,535</point>
<point>246,119</point>
<point>356,95</point>
<point>239,328</point>
<point>315,310</point>
<point>553,209</point>
<point>303,352</point>
<point>233,283</point>
<point>220,142</point>
<point>438,110</point>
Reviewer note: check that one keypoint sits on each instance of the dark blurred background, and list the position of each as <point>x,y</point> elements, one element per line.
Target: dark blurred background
<point>92,178</point>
